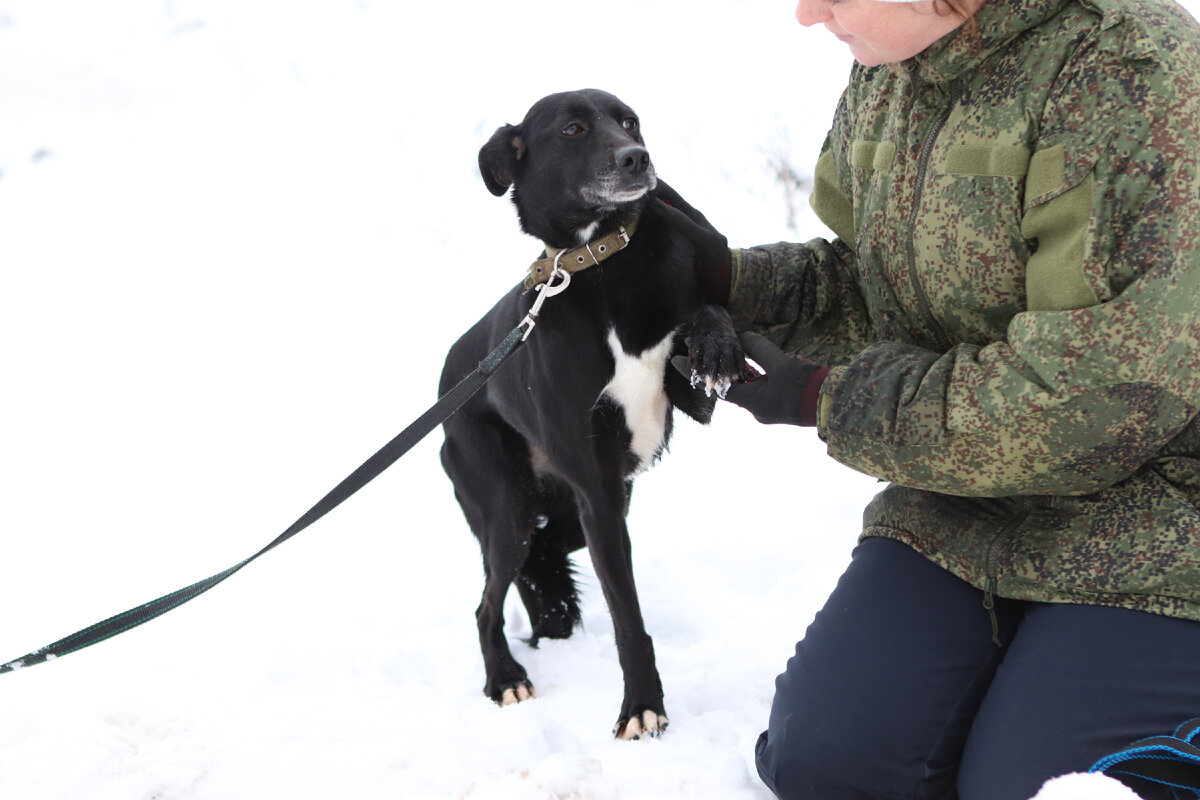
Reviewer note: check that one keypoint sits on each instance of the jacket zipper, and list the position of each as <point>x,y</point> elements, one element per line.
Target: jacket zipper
<point>925,307</point>
<point>992,568</point>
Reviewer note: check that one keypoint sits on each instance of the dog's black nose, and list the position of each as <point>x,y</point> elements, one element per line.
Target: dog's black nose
<point>633,159</point>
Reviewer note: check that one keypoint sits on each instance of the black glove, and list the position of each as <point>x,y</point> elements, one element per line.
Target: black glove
<point>713,262</point>
<point>787,394</point>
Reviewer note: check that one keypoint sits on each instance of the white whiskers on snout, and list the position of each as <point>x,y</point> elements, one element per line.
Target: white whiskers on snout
<point>608,191</point>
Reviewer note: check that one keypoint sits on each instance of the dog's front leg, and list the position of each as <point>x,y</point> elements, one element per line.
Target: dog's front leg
<point>642,711</point>
<point>506,680</point>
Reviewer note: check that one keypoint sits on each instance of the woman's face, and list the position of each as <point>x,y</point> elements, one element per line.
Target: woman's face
<point>878,32</point>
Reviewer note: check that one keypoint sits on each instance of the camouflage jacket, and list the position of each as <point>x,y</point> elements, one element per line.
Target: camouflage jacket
<point>1012,303</point>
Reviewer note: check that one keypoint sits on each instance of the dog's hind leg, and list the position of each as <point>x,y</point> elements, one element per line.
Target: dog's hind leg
<point>547,580</point>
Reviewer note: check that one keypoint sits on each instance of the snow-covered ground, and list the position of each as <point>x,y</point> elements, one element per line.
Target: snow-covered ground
<point>236,239</point>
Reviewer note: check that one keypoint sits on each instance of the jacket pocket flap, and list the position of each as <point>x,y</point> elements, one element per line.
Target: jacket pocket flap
<point>962,159</point>
<point>872,155</point>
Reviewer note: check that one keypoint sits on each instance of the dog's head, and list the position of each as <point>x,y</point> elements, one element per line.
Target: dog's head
<point>577,164</point>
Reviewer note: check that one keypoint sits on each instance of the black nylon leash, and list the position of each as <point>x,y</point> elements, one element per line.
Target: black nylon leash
<point>442,410</point>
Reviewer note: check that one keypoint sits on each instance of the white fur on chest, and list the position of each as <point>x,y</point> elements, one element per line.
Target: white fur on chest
<point>637,386</point>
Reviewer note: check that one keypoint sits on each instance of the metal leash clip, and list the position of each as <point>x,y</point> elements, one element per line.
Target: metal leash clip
<point>546,290</point>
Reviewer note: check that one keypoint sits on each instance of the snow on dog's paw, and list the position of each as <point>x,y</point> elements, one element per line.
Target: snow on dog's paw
<point>648,724</point>
<point>711,384</point>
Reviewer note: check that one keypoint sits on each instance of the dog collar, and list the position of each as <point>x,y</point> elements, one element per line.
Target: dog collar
<point>579,258</point>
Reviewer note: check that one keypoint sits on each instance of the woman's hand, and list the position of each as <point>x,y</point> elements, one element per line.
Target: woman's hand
<point>787,394</point>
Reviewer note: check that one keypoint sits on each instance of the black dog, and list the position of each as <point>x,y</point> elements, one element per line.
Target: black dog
<point>543,459</point>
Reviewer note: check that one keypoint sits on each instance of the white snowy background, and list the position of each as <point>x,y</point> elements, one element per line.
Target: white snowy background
<point>236,239</point>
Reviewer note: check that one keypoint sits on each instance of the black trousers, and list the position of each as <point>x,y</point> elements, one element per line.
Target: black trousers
<point>898,691</point>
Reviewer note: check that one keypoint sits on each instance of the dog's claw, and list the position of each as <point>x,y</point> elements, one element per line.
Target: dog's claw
<point>711,384</point>
<point>518,694</point>
<point>649,723</point>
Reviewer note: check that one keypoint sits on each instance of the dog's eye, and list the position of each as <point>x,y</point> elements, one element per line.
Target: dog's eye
<point>630,124</point>
<point>574,129</point>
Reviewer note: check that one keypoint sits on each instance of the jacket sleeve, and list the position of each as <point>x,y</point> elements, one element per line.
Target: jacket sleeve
<point>805,297</point>
<point>1104,367</point>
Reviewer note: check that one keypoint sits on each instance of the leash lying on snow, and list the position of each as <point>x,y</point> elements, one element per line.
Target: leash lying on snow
<point>445,407</point>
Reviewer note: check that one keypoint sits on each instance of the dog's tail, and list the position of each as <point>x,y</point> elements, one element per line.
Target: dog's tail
<point>547,583</point>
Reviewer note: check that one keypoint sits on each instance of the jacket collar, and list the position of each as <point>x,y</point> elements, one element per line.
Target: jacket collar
<point>579,258</point>
<point>996,24</point>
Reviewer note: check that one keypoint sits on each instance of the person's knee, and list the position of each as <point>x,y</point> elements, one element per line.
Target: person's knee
<point>838,705</point>
<point>797,764</point>
<point>783,767</point>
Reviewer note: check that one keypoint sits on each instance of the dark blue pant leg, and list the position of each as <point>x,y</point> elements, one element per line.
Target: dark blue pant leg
<point>897,682</point>
<point>879,698</point>
<point>1078,683</point>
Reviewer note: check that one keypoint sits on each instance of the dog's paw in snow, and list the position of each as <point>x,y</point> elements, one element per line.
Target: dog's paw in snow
<point>511,693</point>
<point>648,723</point>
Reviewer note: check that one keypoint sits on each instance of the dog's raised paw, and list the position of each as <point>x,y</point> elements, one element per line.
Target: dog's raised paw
<point>648,724</point>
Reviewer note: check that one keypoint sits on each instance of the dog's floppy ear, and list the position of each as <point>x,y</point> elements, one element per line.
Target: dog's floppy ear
<point>498,159</point>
